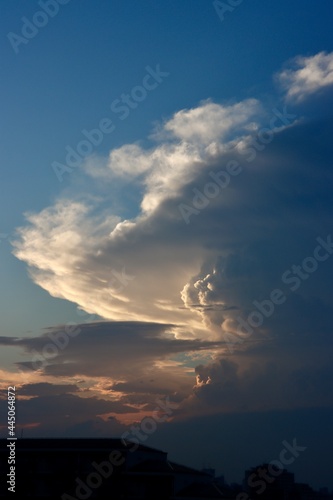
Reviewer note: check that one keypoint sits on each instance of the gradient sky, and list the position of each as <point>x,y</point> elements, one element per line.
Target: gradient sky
<point>206,198</point>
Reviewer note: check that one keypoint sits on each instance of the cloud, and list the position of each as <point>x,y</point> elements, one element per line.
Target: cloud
<point>107,369</point>
<point>43,389</point>
<point>123,349</point>
<point>307,76</point>
<point>265,377</point>
<point>77,252</point>
<point>65,414</point>
<point>128,363</point>
<point>212,122</point>
<point>232,252</point>
<point>80,252</point>
<point>166,287</point>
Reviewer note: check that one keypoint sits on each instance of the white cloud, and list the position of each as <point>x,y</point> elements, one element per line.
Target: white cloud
<point>212,122</point>
<point>309,75</point>
<point>196,135</point>
<point>80,256</point>
<point>129,160</point>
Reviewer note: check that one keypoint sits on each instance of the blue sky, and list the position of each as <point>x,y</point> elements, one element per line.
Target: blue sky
<point>109,237</point>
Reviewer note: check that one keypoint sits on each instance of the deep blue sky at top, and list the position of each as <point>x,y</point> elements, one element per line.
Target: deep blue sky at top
<point>66,77</point>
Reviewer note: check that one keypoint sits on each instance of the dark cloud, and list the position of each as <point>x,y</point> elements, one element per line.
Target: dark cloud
<point>53,407</point>
<point>45,389</point>
<point>57,413</point>
<point>264,380</point>
<point>102,349</point>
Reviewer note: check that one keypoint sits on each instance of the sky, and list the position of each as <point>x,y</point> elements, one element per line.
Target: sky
<point>166,226</point>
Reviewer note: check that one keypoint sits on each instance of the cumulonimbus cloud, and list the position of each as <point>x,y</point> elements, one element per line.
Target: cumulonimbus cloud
<point>201,274</point>
<point>151,266</point>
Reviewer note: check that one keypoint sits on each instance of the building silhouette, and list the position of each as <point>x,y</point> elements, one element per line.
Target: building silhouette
<point>70,469</point>
<point>82,469</point>
<point>268,482</point>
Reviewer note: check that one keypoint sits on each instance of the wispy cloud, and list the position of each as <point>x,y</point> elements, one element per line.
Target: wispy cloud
<point>307,75</point>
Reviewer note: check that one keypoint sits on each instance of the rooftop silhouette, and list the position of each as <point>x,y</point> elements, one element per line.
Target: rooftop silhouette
<point>106,468</point>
